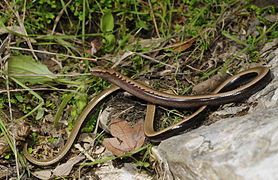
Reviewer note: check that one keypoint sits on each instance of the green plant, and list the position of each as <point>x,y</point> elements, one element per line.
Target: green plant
<point>41,14</point>
<point>107,26</point>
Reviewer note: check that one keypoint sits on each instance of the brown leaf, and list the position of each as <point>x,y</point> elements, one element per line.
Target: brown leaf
<point>272,18</point>
<point>43,174</point>
<point>126,138</point>
<point>115,146</point>
<point>65,168</point>
<point>182,46</point>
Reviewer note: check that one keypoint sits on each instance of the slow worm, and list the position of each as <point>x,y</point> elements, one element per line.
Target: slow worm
<point>235,88</point>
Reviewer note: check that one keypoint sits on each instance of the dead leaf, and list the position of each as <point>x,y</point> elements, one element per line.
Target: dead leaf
<point>272,18</point>
<point>182,46</point>
<point>43,174</point>
<point>64,169</point>
<point>126,138</point>
<point>5,30</point>
<point>60,170</point>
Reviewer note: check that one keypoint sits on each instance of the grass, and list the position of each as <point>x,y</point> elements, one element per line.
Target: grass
<point>66,30</point>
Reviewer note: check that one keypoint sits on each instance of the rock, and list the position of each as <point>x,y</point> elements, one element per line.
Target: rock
<point>128,171</point>
<point>243,147</point>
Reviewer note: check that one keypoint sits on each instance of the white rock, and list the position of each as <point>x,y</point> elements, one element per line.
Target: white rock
<point>233,148</point>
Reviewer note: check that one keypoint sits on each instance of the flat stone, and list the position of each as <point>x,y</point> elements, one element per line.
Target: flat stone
<point>243,147</point>
<point>129,171</point>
